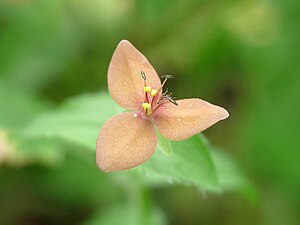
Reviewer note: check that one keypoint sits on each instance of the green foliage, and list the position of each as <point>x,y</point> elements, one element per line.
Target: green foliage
<point>49,138</point>
<point>164,144</point>
<point>126,215</point>
<point>18,107</point>
<point>242,55</point>
<point>78,122</point>
<point>231,178</point>
<point>190,163</point>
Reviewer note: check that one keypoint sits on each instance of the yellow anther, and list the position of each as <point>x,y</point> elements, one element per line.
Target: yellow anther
<point>147,88</point>
<point>153,92</point>
<point>147,108</point>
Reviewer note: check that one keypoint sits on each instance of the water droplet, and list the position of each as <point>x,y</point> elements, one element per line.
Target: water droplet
<point>135,115</point>
<point>190,105</point>
<point>178,120</point>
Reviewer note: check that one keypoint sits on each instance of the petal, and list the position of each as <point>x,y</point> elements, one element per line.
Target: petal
<point>190,117</point>
<point>125,141</point>
<point>125,83</point>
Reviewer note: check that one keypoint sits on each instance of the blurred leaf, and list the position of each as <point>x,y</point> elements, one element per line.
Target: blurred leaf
<point>230,177</point>
<point>138,209</point>
<point>122,214</point>
<point>270,115</point>
<point>46,151</point>
<point>77,180</point>
<point>164,144</point>
<point>38,41</point>
<point>17,108</point>
<point>78,121</point>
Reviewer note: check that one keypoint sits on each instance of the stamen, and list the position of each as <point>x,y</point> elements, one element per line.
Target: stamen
<point>144,78</point>
<point>173,101</point>
<point>167,76</point>
<point>167,97</point>
<point>162,85</point>
<point>165,80</point>
<point>151,105</point>
<point>147,108</point>
<point>148,89</point>
<point>143,75</point>
<point>153,92</point>
<point>146,105</point>
<point>165,92</point>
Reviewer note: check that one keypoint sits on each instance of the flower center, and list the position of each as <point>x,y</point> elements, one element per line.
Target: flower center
<point>149,100</point>
<point>154,99</point>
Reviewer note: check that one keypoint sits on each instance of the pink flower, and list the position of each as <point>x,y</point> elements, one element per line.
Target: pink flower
<point>129,139</point>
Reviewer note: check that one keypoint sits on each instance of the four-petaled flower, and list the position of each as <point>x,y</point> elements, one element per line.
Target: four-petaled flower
<point>129,139</point>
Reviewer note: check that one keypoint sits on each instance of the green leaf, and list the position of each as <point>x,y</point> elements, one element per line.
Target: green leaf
<point>17,108</point>
<point>79,120</point>
<point>190,164</point>
<point>45,151</point>
<point>164,144</point>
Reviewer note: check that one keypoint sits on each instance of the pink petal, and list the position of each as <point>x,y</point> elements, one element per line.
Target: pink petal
<point>125,84</point>
<point>190,117</point>
<point>125,141</point>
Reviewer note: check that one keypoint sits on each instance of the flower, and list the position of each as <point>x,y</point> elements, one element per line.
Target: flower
<point>129,139</point>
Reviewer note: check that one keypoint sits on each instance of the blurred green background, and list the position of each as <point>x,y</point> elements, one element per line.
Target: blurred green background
<point>54,55</point>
